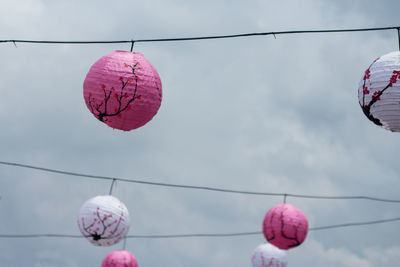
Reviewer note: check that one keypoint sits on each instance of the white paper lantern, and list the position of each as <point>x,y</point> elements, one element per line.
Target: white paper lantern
<point>104,220</point>
<point>379,92</point>
<point>267,255</point>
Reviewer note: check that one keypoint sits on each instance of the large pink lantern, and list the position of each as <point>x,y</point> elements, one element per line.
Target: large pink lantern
<point>267,255</point>
<point>379,92</point>
<point>123,90</point>
<point>104,220</point>
<point>119,258</point>
<point>285,226</point>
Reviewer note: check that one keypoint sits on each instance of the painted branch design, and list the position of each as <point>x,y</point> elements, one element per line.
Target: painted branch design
<point>103,226</point>
<point>124,100</point>
<point>272,235</point>
<point>366,108</point>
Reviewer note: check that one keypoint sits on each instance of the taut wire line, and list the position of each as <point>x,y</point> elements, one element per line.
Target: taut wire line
<point>204,37</point>
<point>182,186</point>
<point>165,236</point>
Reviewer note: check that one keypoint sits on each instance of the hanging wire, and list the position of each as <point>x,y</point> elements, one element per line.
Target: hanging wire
<point>205,37</point>
<point>205,188</point>
<point>165,236</point>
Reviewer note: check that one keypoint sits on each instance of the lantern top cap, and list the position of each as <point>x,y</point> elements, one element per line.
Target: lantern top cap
<point>124,51</point>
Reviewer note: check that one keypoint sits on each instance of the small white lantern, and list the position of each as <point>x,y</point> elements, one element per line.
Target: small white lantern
<point>267,255</point>
<point>104,220</point>
<point>379,92</point>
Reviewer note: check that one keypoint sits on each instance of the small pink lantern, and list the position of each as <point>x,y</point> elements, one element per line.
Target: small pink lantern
<point>123,90</point>
<point>267,255</point>
<point>119,258</point>
<point>285,226</point>
<point>379,92</point>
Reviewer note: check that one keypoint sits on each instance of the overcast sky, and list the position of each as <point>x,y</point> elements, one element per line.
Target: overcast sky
<point>257,114</point>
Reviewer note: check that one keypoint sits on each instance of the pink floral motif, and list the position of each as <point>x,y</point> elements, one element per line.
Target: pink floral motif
<point>123,99</point>
<point>367,74</point>
<point>101,227</point>
<point>375,95</point>
<point>365,88</point>
<point>128,76</point>
<point>395,76</point>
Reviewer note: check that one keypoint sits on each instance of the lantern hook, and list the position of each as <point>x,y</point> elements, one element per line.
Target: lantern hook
<point>398,36</point>
<point>132,44</point>
<point>124,244</point>
<point>112,185</point>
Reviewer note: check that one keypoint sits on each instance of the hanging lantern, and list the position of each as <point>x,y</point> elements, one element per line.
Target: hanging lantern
<point>104,220</point>
<point>267,255</point>
<point>379,92</point>
<point>119,258</point>
<point>123,90</point>
<point>285,226</point>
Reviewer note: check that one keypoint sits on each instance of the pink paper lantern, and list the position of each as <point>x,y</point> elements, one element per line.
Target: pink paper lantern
<point>285,226</point>
<point>123,90</point>
<point>119,258</point>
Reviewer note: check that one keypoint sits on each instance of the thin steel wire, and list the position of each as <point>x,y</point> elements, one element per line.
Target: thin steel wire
<point>194,187</point>
<point>165,236</point>
<point>203,37</point>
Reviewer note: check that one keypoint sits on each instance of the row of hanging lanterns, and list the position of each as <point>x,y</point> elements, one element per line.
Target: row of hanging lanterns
<point>124,91</point>
<point>105,221</point>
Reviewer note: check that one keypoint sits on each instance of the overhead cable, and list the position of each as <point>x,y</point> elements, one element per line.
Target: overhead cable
<point>165,236</point>
<point>241,35</point>
<point>194,187</point>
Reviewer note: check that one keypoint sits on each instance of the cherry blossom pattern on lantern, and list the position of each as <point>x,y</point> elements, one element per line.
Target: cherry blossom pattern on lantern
<point>101,109</point>
<point>104,220</point>
<point>378,93</point>
<point>123,90</point>
<point>285,226</point>
<point>267,255</point>
<point>119,258</point>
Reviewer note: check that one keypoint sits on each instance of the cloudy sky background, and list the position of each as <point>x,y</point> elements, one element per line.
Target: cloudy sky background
<point>258,114</point>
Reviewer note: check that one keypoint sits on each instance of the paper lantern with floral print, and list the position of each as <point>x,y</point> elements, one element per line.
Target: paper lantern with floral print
<point>104,220</point>
<point>267,255</point>
<point>285,226</point>
<point>379,92</point>
<point>119,258</point>
<point>123,90</point>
